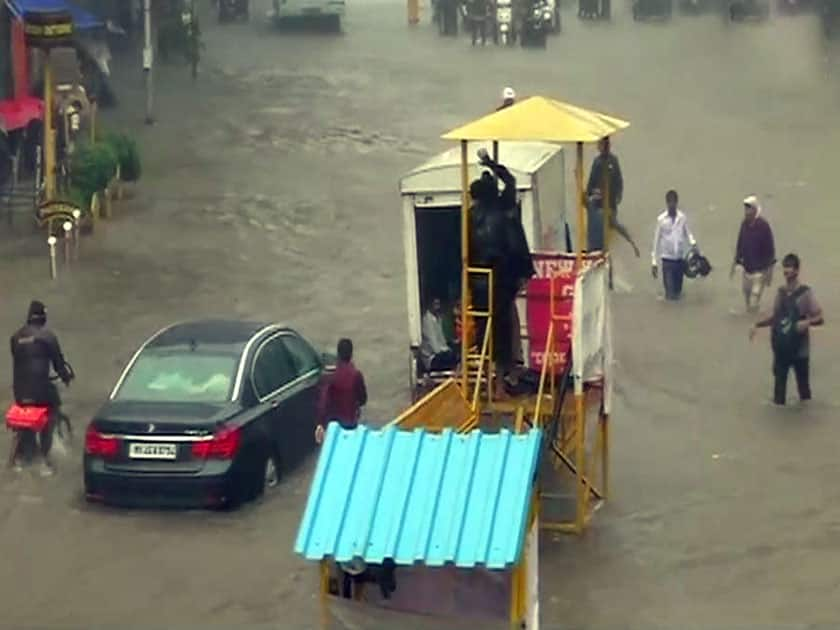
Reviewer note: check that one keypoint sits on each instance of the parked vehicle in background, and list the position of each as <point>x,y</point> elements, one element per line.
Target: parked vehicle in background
<point>206,413</point>
<point>230,10</point>
<point>329,11</point>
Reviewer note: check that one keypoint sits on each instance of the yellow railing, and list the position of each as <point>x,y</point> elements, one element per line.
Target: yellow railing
<point>548,363</point>
<point>486,354</point>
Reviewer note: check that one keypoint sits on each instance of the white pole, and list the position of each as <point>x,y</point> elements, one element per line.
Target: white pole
<point>77,218</point>
<point>68,230</point>
<point>147,60</point>
<point>51,242</point>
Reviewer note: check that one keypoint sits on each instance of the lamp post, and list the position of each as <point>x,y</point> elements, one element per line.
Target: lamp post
<point>77,218</point>
<point>45,30</point>
<point>51,241</point>
<point>68,230</point>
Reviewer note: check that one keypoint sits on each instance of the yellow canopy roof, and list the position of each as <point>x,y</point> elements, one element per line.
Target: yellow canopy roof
<point>540,119</point>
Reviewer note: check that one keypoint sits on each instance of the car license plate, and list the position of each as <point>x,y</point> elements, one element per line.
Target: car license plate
<point>153,451</point>
<point>311,11</point>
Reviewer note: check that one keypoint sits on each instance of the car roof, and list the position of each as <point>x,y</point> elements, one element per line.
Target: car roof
<point>224,332</point>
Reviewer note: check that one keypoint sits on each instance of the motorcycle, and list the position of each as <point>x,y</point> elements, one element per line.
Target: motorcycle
<point>554,7</point>
<point>32,419</point>
<point>230,10</point>
<point>505,31</point>
<point>536,25</point>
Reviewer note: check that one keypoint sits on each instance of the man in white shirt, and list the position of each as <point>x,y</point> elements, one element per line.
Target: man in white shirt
<point>434,350</point>
<point>671,243</point>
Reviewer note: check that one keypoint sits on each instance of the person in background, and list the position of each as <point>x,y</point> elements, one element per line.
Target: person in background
<point>344,393</point>
<point>672,240</point>
<point>795,311</point>
<point>478,12</point>
<point>755,252</point>
<point>605,165</point>
<point>435,351</point>
<point>508,98</point>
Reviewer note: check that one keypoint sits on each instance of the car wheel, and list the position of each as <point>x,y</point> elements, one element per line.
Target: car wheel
<point>271,474</point>
<point>266,476</point>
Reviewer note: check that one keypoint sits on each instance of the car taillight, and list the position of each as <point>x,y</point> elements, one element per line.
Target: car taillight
<point>224,444</point>
<point>100,445</point>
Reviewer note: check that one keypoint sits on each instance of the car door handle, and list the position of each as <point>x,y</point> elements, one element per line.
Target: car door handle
<point>275,402</point>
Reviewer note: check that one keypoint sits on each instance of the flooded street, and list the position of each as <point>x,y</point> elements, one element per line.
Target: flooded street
<point>270,190</point>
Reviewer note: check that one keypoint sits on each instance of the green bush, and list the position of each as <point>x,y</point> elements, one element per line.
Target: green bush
<point>128,155</point>
<point>92,168</point>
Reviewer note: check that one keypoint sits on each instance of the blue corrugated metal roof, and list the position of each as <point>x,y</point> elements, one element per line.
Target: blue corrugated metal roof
<point>420,497</point>
<point>82,19</point>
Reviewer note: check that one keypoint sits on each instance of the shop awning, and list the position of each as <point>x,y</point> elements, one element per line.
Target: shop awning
<point>540,119</point>
<point>420,497</point>
<point>82,19</point>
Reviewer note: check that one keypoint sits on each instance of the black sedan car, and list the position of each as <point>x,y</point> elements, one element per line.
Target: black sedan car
<point>206,413</point>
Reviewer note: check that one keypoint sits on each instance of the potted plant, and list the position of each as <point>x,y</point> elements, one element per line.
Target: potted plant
<point>128,159</point>
<point>92,169</point>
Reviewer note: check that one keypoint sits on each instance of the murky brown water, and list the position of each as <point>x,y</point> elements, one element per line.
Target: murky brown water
<point>271,189</point>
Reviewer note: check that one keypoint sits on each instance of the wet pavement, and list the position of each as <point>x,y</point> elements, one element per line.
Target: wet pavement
<point>270,190</point>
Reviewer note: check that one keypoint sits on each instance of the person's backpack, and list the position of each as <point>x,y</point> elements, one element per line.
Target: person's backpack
<point>785,339</point>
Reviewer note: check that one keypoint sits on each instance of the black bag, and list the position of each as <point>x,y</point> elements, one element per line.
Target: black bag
<point>785,339</point>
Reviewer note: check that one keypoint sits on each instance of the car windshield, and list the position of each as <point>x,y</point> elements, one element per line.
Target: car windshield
<point>179,376</point>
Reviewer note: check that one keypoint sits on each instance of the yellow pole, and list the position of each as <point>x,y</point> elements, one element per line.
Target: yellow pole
<point>465,263</point>
<point>580,461</point>
<point>515,593</point>
<point>606,206</point>
<point>605,455</point>
<point>324,593</point>
<point>413,11</point>
<point>581,206</point>
<point>49,135</point>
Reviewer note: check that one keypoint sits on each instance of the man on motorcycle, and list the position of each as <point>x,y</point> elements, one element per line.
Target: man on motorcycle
<point>34,349</point>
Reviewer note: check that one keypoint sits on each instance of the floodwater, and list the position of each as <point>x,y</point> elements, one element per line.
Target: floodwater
<point>270,190</point>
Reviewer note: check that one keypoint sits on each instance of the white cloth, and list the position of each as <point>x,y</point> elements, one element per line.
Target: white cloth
<point>434,341</point>
<point>672,239</point>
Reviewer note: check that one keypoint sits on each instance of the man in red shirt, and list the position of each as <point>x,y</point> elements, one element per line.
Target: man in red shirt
<point>344,393</point>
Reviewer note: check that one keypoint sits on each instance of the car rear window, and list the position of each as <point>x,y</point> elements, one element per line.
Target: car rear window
<point>179,377</point>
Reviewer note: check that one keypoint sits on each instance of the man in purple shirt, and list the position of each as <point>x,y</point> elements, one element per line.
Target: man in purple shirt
<point>755,252</point>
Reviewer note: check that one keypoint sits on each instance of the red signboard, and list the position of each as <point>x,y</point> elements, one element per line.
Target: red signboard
<point>559,269</point>
<point>18,112</point>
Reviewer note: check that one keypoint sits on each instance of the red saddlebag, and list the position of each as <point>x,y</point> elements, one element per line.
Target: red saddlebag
<point>27,418</point>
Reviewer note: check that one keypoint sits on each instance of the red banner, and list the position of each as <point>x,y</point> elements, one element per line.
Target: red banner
<point>560,267</point>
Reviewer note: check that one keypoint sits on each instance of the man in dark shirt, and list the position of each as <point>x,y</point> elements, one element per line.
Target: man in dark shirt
<point>795,312</point>
<point>755,252</point>
<point>605,172</point>
<point>344,394</point>
<point>34,350</point>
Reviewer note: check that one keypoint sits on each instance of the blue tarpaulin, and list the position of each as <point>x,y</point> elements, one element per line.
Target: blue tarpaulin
<point>82,20</point>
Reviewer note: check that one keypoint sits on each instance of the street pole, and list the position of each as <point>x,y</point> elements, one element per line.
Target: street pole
<point>49,133</point>
<point>147,60</point>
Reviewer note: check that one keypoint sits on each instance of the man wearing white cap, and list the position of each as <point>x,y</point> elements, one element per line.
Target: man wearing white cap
<point>508,98</point>
<point>755,252</point>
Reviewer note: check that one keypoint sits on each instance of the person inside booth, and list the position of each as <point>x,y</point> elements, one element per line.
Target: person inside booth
<point>436,351</point>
